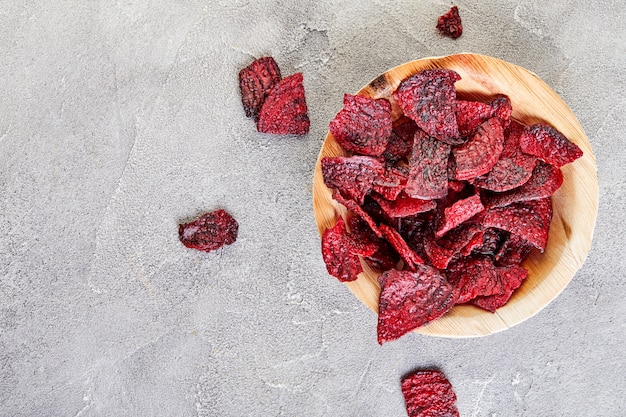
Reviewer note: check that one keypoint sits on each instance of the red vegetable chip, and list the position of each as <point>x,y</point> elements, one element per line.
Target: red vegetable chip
<point>474,276</point>
<point>284,111</point>
<point>428,393</point>
<point>514,250</point>
<point>429,98</point>
<point>459,212</point>
<point>529,220</point>
<point>404,206</point>
<point>340,261</point>
<point>513,168</point>
<point>391,183</point>
<point>352,176</point>
<point>511,276</point>
<point>255,82</point>
<point>440,252</point>
<point>363,126</point>
<point>545,180</point>
<point>209,232</point>
<point>502,109</point>
<point>408,255</point>
<point>471,114</point>
<point>409,300</point>
<point>480,153</point>
<point>450,23</point>
<point>492,241</point>
<point>549,144</point>
<point>400,142</point>
<point>355,208</point>
<point>428,168</point>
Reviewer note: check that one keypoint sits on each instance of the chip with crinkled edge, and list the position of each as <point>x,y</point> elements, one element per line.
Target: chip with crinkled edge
<point>428,393</point>
<point>255,83</point>
<point>547,143</point>
<point>284,111</point>
<point>479,153</point>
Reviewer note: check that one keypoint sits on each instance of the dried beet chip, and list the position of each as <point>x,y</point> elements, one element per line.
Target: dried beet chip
<point>409,300</point>
<point>545,180</point>
<point>400,142</point>
<point>502,109</point>
<point>354,207</point>
<point>491,243</point>
<point>408,255</point>
<point>480,153</point>
<point>459,212</point>
<point>440,252</point>
<point>428,168</point>
<point>474,276</point>
<point>428,393</point>
<point>209,232</point>
<point>363,126</point>
<point>384,256</point>
<point>450,23</point>
<point>429,98</point>
<point>404,206</point>
<point>471,114</point>
<point>362,241</point>
<point>529,220</point>
<point>255,82</point>
<point>549,144</point>
<point>340,262</point>
<point>512,277</point>
<point>514,250</point>
<point>352,176</point>
<point>391,183</point>
<point>476,242</point>
<point>284,111</point>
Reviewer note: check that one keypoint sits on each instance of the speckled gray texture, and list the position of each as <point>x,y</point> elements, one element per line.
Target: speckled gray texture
<point>120,119</point>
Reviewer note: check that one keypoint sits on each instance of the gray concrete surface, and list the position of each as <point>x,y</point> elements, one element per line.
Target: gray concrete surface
<point>121,118</point>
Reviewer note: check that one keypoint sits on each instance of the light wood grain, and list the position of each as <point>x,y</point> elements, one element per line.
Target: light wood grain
<point>575,203</point>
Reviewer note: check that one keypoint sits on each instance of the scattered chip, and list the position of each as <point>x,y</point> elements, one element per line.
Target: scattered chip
<point>209,232</point>
<point>459,212</point>
<point>428,393</point>
<point>549,144</point>
<point>363,125</point>
<point>255,82</point>
<point>284,111</point>
<point>428,168</point>
<point>536,217</point>
<point>409,300</point>
<point>450,23</point>
<point>429,98</point>
<point>480,153</point>
<point>352,176</point>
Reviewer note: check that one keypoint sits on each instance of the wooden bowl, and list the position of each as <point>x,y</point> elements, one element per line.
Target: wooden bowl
<point>575,204</point>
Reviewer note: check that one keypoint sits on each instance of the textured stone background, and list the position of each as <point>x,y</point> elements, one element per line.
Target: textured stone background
<point>121,118</point>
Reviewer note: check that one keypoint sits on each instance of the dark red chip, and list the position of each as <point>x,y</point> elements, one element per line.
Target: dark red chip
<point>549,144</point>
<point>404,206</point>
<point>209,232</point>
<point>474,276</point>
<point>429,98</point>
<point>511,278</point>
<point>354,207</point>
<point>529,220</point>
<point>400,142</point>
<point>480,153</point>
<point>450,23</point>
<point>284,111</point>
<point>340,261</point>
<point>255,82</point>
<point>513,168</point>
<point>502,109</point>
<point>391,183</point>
<point>409,256</point>
<point>440,252</point>
<point>428,168</point>
<point>428,393</point>
<point>545,180</point>
<point>471,114</point>
<point>409,300</point>
<point>459,212</point>
<point>363,126</point>
<point>514,250</point>
<point>352,176</point>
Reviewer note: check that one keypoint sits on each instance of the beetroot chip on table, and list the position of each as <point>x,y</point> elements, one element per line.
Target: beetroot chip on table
<point>284,110</point>
<point>352,176</point>
<point>209,232</point>
<point>549,144</point>
<point>429,98</point>
<point>363,126</point>
<point>255,82</point>
<point>529,220</point>
<point>450,23</point>
<point>340,260</point>
<point>428,393</point>
<point>428,168</point>
<point>479,153</point>
<point>544,181</point>
<point>409,300</point>
<point>511,277</point>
